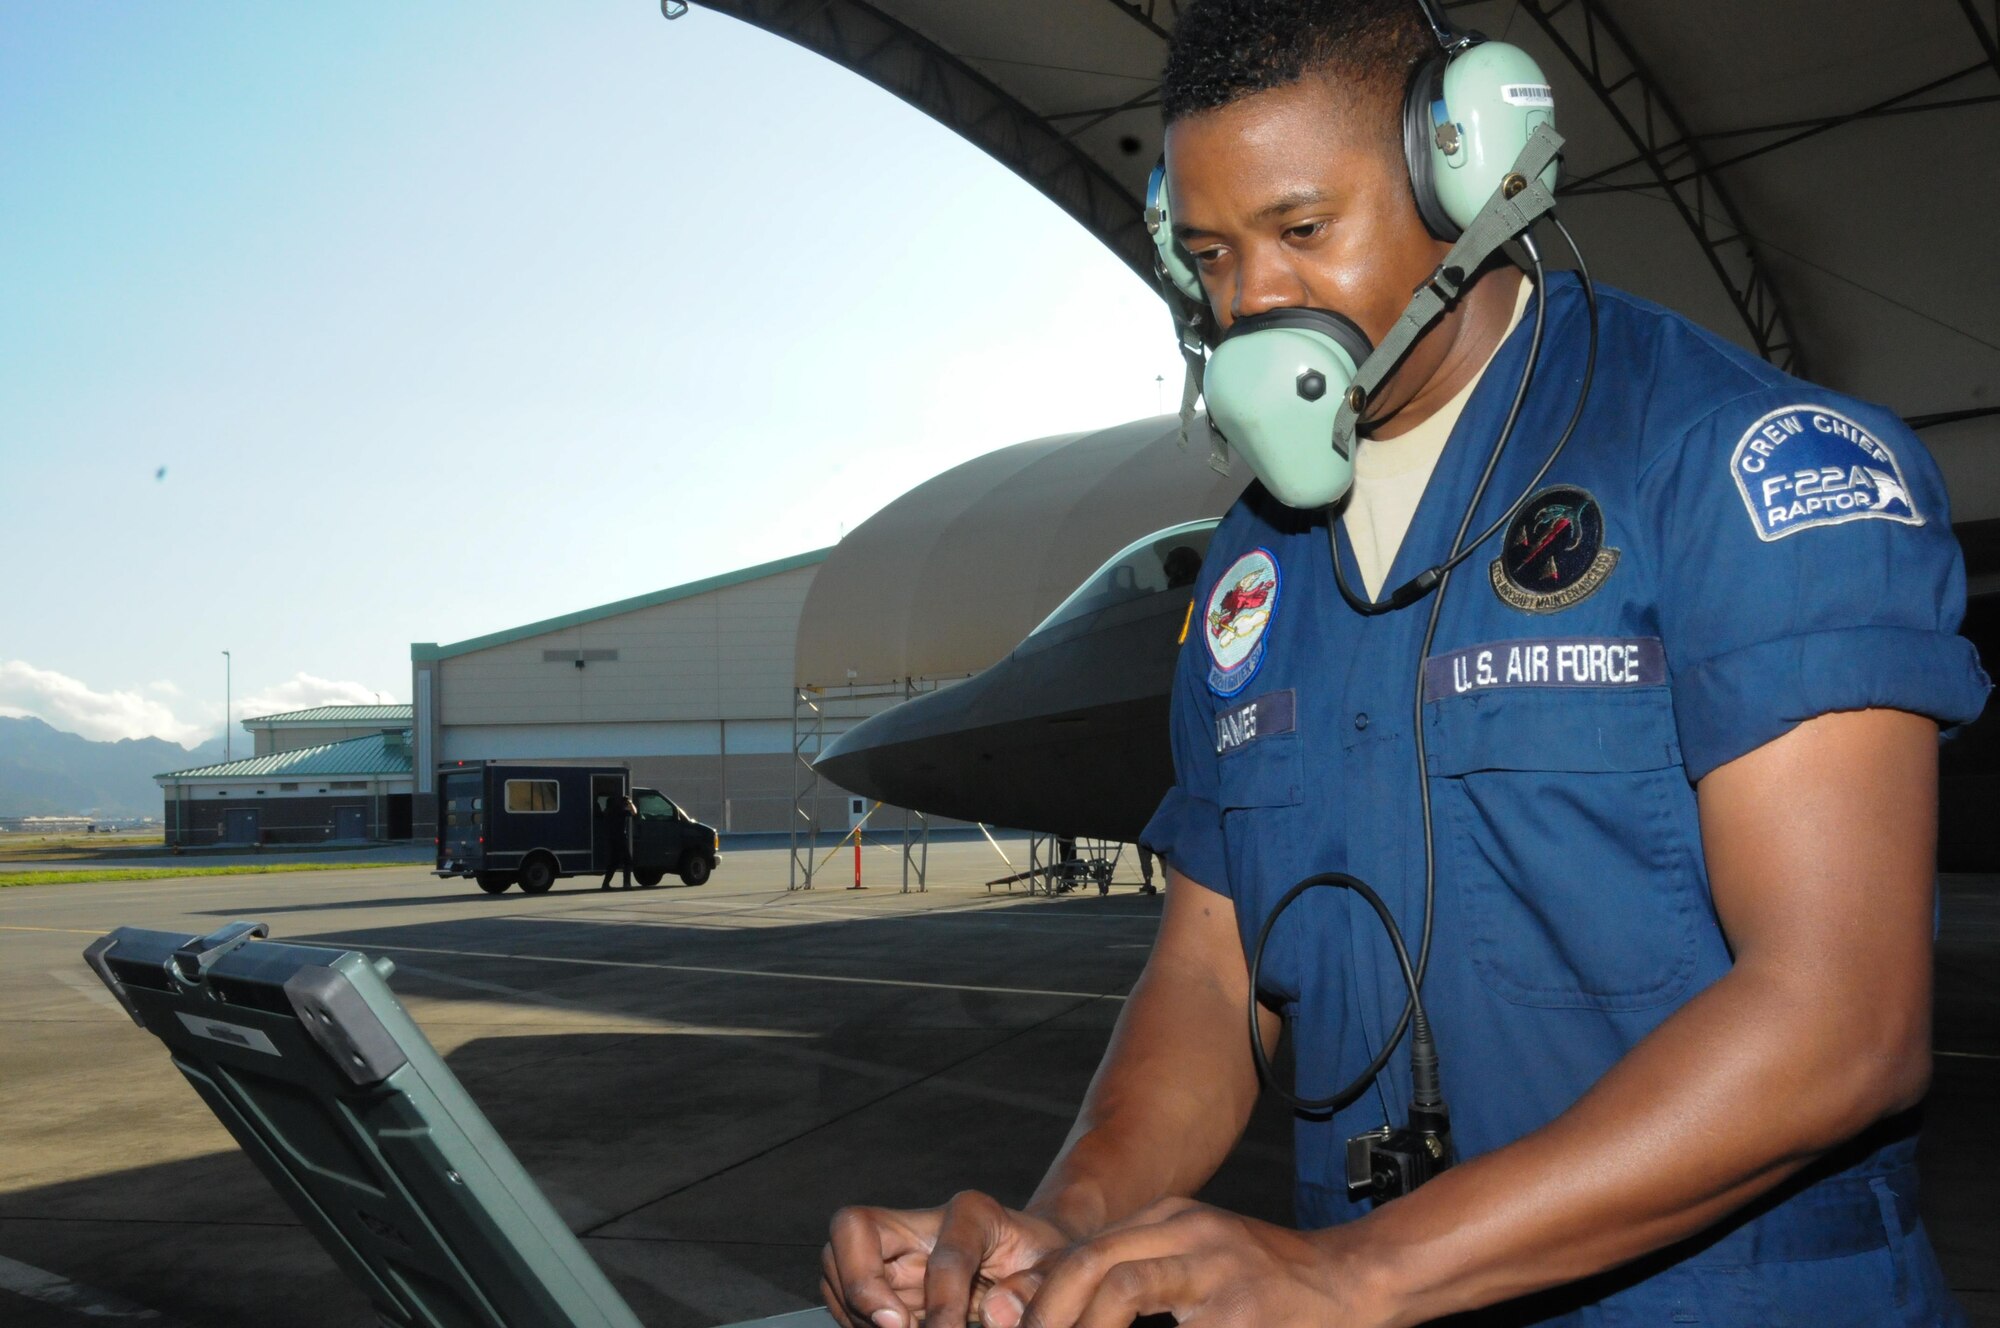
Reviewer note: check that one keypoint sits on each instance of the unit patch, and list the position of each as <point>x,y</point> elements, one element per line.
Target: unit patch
<point>1554,555</point>
<point>1556,661</point>
<point>1233,623</point>
<point>1805,466</point>
<point>1259,717</point>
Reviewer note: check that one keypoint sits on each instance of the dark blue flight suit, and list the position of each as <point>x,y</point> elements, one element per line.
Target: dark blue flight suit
<point>1721,553</point>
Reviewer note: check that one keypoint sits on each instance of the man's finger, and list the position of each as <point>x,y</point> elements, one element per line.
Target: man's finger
<point>829,1296</point>
<point>1072,1278</point>
<point>829,1280</point>
<point>1007,1300</point>
<point>863,1242</point>
<point>1145,1286</point>
<point>971,1228</point>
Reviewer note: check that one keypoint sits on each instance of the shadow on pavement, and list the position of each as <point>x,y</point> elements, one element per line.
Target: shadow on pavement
<point>733,1077</point>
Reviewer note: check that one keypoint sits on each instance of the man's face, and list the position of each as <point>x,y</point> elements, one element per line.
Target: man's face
<point>1286,201</point>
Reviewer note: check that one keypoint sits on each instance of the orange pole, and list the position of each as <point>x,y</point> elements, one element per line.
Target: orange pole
<point>857,862</point>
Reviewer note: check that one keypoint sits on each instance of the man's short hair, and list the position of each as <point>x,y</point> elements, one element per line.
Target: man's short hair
<point>1224,50</point>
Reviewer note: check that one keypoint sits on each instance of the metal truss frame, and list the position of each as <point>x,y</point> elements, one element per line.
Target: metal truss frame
<point>1600,54</point>
<point>859,36</point>
<point>855,34</point>
<point>1988,44</point>
<point>819,713</point>
<point>1147,14</point>
<point>808,735</point>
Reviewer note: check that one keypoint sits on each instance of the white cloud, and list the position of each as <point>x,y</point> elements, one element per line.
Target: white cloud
<point>74,706</point>
<point>303,691</point>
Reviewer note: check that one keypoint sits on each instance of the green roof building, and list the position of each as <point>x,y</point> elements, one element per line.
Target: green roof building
<point>356,790</point>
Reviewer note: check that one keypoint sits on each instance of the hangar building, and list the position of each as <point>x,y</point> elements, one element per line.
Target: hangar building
<point>690,686</point>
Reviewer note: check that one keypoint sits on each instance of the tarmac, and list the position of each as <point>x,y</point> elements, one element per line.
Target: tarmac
<point>696,1077</point>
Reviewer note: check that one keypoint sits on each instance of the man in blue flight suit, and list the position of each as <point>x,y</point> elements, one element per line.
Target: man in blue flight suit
<point>1680,718</point>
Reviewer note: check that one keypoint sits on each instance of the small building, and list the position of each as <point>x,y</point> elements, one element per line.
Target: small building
<point>353,791</point>
<point>291,730</point>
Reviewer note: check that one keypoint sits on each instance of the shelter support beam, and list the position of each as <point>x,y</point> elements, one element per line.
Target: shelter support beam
<point>1987,41</point>
<point>1598,51</point>
<point>901,60</point>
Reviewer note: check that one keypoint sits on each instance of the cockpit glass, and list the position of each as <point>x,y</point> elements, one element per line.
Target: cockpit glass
<point>1167,559</point>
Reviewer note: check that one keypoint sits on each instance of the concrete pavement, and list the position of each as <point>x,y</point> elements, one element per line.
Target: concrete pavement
<point>697,1078</point>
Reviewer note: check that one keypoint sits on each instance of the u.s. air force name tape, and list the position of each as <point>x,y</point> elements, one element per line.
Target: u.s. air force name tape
<point>1555,661</point>
<point>1805,466</point>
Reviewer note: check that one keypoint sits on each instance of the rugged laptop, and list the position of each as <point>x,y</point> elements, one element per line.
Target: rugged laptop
<point>324,1079</point>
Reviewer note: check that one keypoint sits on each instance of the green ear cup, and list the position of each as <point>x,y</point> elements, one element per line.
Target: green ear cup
<point>1495,96</point>
<point>1465,120</point>
<point>1274,386</point>
<point>1174,260</point>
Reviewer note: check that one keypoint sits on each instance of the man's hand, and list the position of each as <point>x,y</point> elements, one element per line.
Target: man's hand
<point>889,1267</point>
<point>1206,1267</point>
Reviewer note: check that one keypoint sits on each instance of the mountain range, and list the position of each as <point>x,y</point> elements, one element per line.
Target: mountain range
<point>47,772</point>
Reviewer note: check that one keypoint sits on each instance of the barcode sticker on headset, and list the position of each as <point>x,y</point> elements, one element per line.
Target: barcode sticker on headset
<point>1527,94</point>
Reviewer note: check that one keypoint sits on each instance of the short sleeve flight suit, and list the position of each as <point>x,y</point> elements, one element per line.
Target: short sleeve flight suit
<point>1721,553</point>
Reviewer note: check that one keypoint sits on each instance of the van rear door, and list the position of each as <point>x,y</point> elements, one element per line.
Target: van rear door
<point>462,819</point>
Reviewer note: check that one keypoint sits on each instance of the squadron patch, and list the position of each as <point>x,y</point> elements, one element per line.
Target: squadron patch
<point>1233,622</point>
<point>1554,555</point>
<point>1805,466</point>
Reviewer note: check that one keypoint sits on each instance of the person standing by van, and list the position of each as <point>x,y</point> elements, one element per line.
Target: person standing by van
<point>618,813</point>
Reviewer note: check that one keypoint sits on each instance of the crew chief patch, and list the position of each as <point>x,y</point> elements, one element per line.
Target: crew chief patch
<point>1805,466</point>
<point>1233,621</point>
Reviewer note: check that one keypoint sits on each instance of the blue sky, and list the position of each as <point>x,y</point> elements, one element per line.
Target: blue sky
<point>445,318</point>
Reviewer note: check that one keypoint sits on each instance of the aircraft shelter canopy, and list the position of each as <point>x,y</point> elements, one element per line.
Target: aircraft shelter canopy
<point>1811,178</point>
<point>949,577</point>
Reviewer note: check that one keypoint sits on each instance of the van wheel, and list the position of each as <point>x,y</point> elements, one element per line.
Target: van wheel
<point>649,879</point>
<point>694,869</point>
<point>537,875</point>
<point>494,883</point>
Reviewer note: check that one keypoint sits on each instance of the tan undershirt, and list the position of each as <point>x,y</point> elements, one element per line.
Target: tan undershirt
<point>1390,475</point>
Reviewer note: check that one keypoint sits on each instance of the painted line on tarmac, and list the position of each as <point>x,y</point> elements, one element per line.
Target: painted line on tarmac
<point>1970,1055</point>
<point>736,972</point>
<point>746,920</point>
<point>57,931</point>
<point>54,1289</point>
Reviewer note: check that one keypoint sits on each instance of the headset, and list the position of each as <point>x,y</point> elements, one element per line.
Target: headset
<point>1288,389</point>
<point>1481,149</point>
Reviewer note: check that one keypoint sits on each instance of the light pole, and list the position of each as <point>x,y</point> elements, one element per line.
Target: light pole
<point>227,665</point>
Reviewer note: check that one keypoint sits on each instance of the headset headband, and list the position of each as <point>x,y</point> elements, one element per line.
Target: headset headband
<point>1449,39</point>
